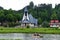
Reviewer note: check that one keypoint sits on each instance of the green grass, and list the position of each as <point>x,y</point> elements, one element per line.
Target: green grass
<point>30,30</point>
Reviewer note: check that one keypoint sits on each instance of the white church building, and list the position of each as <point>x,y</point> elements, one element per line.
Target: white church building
<point>28,19</point>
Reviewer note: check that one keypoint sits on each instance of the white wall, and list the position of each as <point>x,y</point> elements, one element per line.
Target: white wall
<point>54,25</point>
<point>32,25</point>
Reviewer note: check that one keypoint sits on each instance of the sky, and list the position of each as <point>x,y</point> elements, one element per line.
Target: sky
<point>19,4</point>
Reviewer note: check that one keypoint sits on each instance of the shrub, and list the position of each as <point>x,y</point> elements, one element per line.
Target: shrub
<point>45,24</point>
<point>28,26</point>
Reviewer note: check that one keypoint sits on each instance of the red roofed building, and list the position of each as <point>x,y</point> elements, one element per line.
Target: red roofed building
<point>54,23</point>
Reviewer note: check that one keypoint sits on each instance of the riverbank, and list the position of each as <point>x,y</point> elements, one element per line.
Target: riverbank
<point>30,30</point>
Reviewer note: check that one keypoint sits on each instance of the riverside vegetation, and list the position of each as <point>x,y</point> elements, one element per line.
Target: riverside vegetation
<point>43,12</point>
<point>30,30</point>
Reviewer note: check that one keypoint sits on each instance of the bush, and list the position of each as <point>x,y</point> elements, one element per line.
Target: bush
<point>45,24</point>
<point>11,24</point>
<point>28,26</point>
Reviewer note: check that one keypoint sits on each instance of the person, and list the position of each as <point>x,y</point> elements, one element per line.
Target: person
<point>36,36</point>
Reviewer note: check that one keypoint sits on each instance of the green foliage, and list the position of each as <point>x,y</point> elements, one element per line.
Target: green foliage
<point>28,26</point>
<point>39,21</point>
<point>31,4</point>
<point>54,16</point>
<point>18,16</point>
<point>11,24</point>
<point>45,24</point>
<point>42,12</point>
<point>10,17</point>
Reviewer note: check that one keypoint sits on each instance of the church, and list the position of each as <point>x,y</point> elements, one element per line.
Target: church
<point>28,19</point>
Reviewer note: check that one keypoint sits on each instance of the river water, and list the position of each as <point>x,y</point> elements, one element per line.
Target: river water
<point>24,36</point>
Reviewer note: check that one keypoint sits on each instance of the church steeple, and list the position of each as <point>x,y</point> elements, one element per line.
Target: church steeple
<point>25,16</point>
<point>25,11</point>
<point>28,20</point>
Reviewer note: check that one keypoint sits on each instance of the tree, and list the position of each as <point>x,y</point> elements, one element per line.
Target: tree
<point>45,24</point>
<point>10,17</point>
<point>2,16</point>
<point>10,11</point>
<point>31,4</point>
<point>39,21</point>
<point>54,16</point>
<point>44,15</point>
<point>57,10</point>
<point>18,17</point>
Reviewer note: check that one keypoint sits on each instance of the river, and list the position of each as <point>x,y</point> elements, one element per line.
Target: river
<point>24,36</point>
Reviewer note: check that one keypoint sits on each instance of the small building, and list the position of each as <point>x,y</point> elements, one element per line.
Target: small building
<point>54,23</point>
<point>28,19</point>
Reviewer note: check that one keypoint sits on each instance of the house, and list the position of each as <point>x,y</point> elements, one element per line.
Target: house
<point>54,23</point>
<point>28,19</point>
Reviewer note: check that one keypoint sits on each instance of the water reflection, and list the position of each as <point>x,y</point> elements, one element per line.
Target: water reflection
<point>29,36</point>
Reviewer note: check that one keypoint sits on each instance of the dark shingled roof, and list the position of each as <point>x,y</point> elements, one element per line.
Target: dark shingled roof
<point>32,19</point>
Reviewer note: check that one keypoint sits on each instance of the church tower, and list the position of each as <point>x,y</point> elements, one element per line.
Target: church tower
<point>28,19</point>
<point>25,16</point>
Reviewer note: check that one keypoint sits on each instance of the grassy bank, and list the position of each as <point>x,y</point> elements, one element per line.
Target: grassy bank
<point>30,30</point>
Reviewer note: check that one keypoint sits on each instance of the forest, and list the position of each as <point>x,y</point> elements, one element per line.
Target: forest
<point>43,12</point>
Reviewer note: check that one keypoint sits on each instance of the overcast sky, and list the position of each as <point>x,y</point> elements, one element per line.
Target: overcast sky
<point>19,4</point>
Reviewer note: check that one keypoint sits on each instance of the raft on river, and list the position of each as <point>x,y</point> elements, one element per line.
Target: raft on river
<point>37,35</point>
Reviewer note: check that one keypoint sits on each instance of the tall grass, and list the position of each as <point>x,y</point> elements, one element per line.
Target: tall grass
<point>30,30</point>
